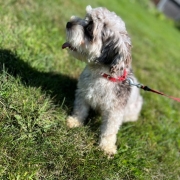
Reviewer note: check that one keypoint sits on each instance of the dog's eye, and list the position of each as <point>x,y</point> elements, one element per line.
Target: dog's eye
<point>89,29</point>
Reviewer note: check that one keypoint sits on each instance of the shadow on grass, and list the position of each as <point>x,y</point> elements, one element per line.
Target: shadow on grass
<point>59,87</point>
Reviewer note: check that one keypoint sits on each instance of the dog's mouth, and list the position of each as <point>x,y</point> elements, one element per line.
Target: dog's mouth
<point>68,45</point>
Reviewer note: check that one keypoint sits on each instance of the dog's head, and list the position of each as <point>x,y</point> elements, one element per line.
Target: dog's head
<point>100,37</point>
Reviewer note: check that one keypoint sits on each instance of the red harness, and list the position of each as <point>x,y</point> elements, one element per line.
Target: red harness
<point>113,79</point>
<point>145,88</point>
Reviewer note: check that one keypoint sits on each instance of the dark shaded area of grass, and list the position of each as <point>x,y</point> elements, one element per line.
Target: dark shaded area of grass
<point>56,85</point>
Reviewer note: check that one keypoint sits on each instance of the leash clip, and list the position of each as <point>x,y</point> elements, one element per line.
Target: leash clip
<point>146,88</point>
<point>131,83</point>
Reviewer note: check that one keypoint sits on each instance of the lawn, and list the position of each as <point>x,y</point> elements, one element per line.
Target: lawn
<point>37,84</point>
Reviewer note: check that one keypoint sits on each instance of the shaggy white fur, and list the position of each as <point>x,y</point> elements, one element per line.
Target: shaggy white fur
<point>101,40</point>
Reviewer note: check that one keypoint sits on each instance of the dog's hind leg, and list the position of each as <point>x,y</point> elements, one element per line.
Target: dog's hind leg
<point>133,109</point>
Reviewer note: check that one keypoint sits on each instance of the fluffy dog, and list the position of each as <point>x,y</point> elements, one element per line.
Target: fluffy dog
<point>101,40</point>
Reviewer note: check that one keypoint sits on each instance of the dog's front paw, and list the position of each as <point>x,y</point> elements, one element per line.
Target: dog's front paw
<point>109,150</point>
<point>107,144</point>
<point>73,122</point>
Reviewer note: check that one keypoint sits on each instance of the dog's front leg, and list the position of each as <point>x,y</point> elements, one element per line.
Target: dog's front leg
<point>80,111</point>
<point>109,129</point>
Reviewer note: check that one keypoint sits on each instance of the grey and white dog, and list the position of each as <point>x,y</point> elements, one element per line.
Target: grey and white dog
<point>101,40</point>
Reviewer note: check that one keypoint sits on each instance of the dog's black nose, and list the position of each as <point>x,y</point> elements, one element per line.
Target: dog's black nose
<point>69,25</point>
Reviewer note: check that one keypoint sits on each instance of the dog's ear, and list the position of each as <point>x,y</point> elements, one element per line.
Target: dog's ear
<point>116,52</point>
<point>88,9</point>
<point>122,60</point>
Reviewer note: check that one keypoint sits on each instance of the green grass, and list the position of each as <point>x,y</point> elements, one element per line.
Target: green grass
<point>37,84</point>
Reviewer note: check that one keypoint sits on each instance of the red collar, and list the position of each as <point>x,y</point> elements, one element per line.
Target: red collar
<point>113,79</point>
